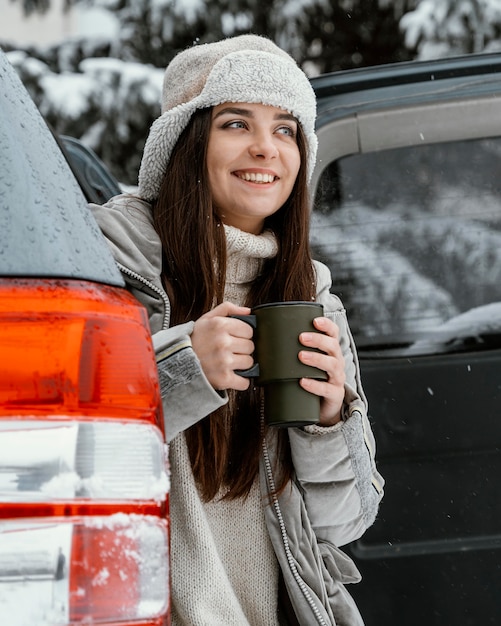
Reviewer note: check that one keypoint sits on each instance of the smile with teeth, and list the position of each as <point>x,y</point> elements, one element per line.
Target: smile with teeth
<point>256,178</point>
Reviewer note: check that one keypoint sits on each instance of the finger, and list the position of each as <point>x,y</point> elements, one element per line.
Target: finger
<point>243,347</point>
<point>242,362</point>
<point>224,327</point>
<point>327,326</point>
<point>239,329</point>
<point>219,320</point>
<point>239,383</point>
<point>323,343</point>
<point>332,394</point>
<point>220,370</point>
<point>232,381</point>
<point>326,340</point>
<point>331,399</point>
<point>322,388</point>
<point>226,309</point>
<point>226,350</point>
<point>235,348</point>
<point>326,362</point>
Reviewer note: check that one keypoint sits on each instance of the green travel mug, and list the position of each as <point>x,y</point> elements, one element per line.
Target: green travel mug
<point>277,368</point>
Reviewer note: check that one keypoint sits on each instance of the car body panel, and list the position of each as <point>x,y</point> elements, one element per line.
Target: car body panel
<point>433,379</point>
<point>50,206</point>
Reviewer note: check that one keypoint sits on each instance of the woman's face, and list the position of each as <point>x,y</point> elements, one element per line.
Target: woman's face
<point>253,161</point>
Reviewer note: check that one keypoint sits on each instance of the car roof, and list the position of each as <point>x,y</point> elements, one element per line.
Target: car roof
<point>347,92</point>
<point>406,104</point>
<point>46,228</point>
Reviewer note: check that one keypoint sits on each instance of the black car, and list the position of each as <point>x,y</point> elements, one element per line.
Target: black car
<point>408,218</point>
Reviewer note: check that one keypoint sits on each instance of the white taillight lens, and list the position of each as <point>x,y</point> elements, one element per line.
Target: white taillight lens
<point>103,460</point>
<point>92,570</point>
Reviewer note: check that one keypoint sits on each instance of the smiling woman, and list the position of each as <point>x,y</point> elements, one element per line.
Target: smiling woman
<point>221,225</point>
<point>253,160</point>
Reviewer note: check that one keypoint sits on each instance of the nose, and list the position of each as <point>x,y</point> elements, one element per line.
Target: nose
<point>262,146</point>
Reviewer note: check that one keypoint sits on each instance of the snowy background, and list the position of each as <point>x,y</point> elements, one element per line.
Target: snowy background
<point>97,76</point>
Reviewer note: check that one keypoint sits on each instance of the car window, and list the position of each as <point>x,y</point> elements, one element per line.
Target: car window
<point>413,240</point>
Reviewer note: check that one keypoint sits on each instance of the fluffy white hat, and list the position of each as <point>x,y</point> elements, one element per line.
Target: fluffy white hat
<point>248,68</point>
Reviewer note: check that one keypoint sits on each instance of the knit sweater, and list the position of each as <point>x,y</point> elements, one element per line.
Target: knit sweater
<point>224,570</point>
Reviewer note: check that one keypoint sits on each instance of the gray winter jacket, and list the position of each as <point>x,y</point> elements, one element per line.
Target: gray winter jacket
<point>336,492</point>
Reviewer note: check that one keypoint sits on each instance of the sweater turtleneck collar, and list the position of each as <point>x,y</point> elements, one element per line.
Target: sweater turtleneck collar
<point>247,253</point>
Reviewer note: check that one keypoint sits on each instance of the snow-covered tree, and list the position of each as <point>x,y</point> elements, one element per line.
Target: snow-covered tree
<point>440,28</point>
<point>110,105</point>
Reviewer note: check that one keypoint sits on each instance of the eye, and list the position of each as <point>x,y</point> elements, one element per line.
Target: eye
<point>286,130</point>
<point>235,124</point>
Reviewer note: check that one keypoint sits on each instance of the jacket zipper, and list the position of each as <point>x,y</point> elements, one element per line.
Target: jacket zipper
<point>154,288</point>
<point>283,532</point>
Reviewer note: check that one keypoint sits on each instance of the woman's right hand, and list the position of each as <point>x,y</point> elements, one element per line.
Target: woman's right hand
<point>224,344</point>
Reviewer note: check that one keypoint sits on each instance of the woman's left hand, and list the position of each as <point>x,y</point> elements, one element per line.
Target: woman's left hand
<point>331,360</point>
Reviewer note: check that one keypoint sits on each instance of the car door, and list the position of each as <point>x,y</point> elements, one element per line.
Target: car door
<point>408,218</point>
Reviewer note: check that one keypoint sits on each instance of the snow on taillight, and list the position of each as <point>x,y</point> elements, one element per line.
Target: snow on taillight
<point>83,462</point>
<point>89,570</point>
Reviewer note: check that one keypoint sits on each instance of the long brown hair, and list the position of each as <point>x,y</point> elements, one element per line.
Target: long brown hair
<point>225,447</point>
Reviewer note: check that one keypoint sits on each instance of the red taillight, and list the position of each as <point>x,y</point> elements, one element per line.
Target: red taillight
<point>83,476</point>
<point>75,348</point>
